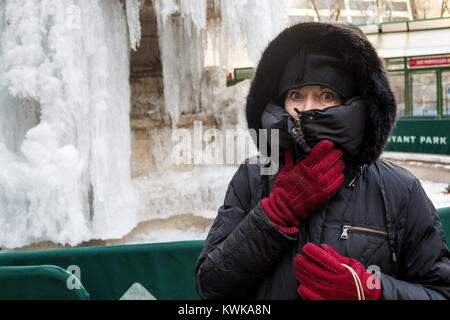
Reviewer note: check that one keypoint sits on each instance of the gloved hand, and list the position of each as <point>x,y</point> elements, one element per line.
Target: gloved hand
<point>323,277</point>
<point>300,189</point>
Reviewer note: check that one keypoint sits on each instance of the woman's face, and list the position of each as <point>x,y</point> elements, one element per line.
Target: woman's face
<point>310,97</point>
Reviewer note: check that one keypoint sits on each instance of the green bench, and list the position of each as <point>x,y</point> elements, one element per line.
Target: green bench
<point>163,271</point>
<point>154,271</point>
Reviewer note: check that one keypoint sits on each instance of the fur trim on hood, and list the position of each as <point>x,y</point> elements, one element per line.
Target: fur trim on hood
<point>367,68</point>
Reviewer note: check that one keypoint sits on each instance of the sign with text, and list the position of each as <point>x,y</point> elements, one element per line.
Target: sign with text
<point>427,62</point>
<point>421,136</point>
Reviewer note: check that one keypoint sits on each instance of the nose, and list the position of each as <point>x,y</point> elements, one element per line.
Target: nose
<point>310,103</point>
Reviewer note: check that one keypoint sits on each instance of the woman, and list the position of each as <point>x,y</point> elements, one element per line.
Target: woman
<point>334,209</point>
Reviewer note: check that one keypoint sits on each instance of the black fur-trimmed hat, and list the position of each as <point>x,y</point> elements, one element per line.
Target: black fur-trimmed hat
<point>316,66</point>
<point>366,67</point>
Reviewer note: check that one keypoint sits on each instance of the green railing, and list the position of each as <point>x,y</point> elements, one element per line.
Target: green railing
<point>163,271</point>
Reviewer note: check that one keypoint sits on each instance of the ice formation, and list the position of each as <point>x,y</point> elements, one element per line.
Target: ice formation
<point>180,26</point>
<point>188,42</point>
<point>64,121</point>
<point>247,26</point>
<point>199,191</point>
<point>65,102</point>
<point>134,25</point>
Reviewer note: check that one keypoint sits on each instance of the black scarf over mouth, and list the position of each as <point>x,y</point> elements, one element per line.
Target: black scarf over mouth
<point>344,125</point>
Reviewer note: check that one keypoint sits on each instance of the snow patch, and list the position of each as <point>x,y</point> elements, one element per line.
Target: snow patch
<point>437,193</point>
<point>169,235</point>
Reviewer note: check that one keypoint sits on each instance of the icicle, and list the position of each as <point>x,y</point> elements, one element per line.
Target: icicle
<point>134,25</point>
<point>252,24</point>
<point>181,27</point>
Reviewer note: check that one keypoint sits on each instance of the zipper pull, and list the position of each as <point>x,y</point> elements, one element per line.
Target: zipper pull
<point>344,234</point>
<point>394,257</point>
<point>352,183</point>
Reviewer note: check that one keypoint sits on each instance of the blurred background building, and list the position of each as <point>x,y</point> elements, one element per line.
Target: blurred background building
<point>366,11</point>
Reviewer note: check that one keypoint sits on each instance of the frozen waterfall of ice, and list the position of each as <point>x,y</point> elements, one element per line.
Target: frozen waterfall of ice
<point>180,27</point>
<point>64,121</point>
<point>65,101</point>
<point>188,42</point>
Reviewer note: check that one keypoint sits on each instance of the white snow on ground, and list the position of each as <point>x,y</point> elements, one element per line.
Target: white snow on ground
<point>420,159</point>
<point>169,235</point>
<point>436,192</point>
<point>409,156</point>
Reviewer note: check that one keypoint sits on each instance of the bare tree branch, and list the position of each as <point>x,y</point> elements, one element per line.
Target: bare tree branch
<point>315,9</point>
<point>336,10</point>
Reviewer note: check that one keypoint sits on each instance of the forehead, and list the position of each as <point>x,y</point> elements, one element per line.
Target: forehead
<point>311,88</point>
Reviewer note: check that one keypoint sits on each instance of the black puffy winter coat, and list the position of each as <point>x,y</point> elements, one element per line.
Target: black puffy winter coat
<point>383,218</point>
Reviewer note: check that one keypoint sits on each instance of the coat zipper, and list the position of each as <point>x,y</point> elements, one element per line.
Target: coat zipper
<point>298,124</point>
<point>346,228</point>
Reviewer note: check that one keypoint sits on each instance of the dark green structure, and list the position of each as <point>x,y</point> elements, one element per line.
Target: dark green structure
<point>421,136</point>
<point>165,270</point>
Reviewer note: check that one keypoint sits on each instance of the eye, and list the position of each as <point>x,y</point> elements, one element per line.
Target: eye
<point>295,95</point>
<point>328,96</point>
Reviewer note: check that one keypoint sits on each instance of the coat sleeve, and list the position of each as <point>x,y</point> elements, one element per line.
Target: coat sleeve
<point>242,245</point>
<point>424,270</point>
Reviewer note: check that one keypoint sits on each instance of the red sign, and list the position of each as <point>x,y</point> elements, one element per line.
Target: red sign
<point>429,62</point>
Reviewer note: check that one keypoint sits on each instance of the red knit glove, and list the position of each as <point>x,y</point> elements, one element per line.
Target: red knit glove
<point>300,189</point>
<point>323,277</point>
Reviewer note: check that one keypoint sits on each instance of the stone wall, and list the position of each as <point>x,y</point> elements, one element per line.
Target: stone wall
<point>146,91</point>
